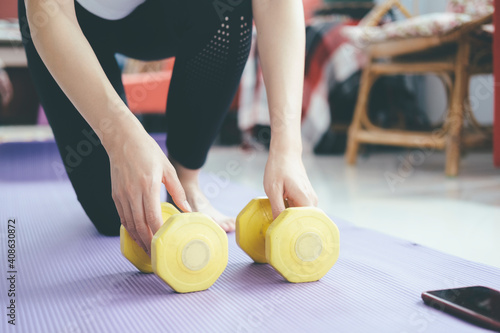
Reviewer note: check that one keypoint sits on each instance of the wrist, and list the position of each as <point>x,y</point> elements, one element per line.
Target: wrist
<point>117,128</point>
<point>285,145</point>
<point>286,139</point>
<point>285,129</point>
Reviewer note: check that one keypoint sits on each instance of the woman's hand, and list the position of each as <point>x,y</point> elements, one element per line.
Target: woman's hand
<point>281,43</point>
<point>285,178</point>
<point>138,167</point>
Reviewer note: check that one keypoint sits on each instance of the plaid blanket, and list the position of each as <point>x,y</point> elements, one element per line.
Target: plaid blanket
<point>330,60</point>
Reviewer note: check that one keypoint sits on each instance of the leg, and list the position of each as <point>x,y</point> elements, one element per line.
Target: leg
<point>213,48</point>
<point>84,157</point>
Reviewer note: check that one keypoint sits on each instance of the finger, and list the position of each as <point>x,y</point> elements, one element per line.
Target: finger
<point>128,221</point>
<point>142,230</point>
<point>175,189</point>
<point>301,198</point>
<point>277,201</point>
<point>152,208</point>
<point>120,211</point>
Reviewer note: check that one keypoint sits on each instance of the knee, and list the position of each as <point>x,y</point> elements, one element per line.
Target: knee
<point>102,214</point>
<point>234,31</point>
<point>107,227</point>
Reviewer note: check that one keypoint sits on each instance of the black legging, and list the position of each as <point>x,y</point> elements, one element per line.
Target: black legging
<point>210,41</point>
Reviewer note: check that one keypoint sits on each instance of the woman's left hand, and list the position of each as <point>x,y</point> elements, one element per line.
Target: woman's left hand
<point>285,178</point>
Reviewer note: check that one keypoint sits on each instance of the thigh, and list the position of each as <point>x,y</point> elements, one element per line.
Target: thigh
<point>83,156</point>
<point>209,62</point>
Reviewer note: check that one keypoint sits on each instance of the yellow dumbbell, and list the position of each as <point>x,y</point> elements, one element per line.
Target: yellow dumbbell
<point>189,252</point>
<point>302,244</point>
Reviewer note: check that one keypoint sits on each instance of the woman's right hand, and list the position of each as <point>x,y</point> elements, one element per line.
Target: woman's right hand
<point>138,167</point>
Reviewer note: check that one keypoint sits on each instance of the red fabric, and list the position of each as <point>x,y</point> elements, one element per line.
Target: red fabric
<point>147,92</point>
<point>496,64</point>
<point>329,43</point>
<point>8,9</point>
<point>168,65</point>
<point>310,7</point>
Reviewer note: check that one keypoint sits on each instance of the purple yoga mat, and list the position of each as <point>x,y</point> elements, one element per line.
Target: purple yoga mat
<point>71,279</point>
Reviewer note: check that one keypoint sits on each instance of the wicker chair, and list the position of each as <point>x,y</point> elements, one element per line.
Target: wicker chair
<point>454,52</point>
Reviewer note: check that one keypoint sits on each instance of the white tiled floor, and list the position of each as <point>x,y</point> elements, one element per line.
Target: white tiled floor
<point>403,195</point>
<point>460,216</point>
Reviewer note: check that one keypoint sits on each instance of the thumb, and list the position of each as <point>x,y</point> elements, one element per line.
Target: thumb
<point>277,202</point>
<point>175,189</point>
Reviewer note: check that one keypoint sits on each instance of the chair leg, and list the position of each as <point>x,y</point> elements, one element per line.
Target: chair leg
<point>351,154</point>
<point>456,112</point>
<point>367,80</point>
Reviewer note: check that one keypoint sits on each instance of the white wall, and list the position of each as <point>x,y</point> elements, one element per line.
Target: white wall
<point>431,92</point>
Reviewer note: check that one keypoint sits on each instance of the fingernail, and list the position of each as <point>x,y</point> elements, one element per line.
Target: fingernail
<point>186,205</point>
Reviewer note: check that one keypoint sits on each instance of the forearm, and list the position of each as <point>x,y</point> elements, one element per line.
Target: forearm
<point>71,61</point>
<point>281,43</point>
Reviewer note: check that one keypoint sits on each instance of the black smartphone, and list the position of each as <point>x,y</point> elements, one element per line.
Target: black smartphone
<point>478,305</point>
